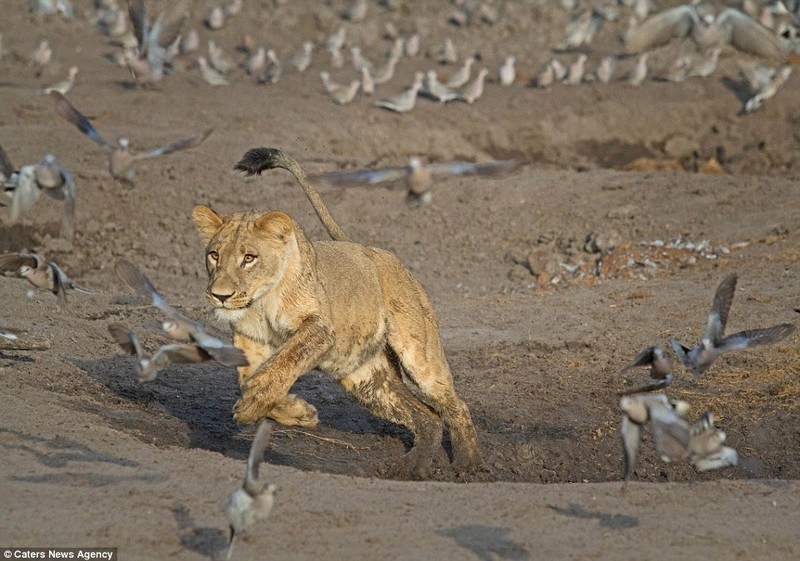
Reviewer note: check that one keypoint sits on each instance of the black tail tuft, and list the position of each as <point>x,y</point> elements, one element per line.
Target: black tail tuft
<point>257,160</point>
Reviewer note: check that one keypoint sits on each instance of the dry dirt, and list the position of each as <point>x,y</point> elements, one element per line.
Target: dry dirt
<point>545,283</point>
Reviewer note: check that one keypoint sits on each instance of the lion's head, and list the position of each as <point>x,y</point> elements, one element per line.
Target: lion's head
<point>247,254</point>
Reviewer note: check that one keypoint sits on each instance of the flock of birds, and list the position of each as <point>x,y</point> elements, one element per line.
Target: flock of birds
<point>702,443</point>
<point>151,50</point>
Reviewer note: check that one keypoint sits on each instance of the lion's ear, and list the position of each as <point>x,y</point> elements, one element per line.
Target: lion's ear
<point>206,221</point>
<point>275,224</point>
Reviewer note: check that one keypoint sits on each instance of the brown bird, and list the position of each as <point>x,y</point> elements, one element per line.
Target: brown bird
<point>660,369</point>
<point>252,502</point>
<point>178,326</point>
<point>43,274</point>
<point>418,177</point>
<point>148,366</point>
<point>121,161</point>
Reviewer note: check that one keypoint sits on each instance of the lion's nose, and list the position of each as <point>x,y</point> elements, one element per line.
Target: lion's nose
<point>221,297</point>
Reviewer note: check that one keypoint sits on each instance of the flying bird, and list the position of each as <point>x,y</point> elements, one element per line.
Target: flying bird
<point>660,369</point>
<point>176,325</point>
<point>121,161</point>
<point>23,188</point>
<point>418,178</point>
<point>707,29</point>
<point>148,366</point>
<point>252,502</point>
<point>150,63</point>
<point>41,273</point>
<point>715,343</point>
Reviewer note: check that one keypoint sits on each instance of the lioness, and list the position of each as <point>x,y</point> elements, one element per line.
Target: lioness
<point>346,309</point>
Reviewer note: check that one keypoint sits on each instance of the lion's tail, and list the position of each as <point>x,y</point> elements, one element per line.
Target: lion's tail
<point>257,160</point>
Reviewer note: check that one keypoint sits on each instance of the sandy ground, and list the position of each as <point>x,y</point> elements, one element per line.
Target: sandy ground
<point>546,283</point>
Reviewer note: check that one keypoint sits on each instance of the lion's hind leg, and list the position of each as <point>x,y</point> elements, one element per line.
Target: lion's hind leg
<point>378,386</point>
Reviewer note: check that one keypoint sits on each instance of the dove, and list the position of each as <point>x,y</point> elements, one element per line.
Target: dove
<point>447,54</point>
<point>43,274</point>
<point>508,73</point>
<point>768,89</point>
<point>215,18</point>
<point>65,85</point>
<point>439,92</point>
<point>176,325</point>
<point>605,71</point>
<point>715,343</point>
<point>367,84</point>
<point>707,29</point>
<point>639,72</point>
<point>42,55</point>
<point>385,72</point>
<point>272,71</point>
<point>211,76</point>
<point>472,91</point>
<point>48,176</point>
<point>671,433</point>
<point>398,47</point>
<point>337,59</point>
<point>405,101</point>
<point>342,95</point>
<point>217,59</point>
<point>256,62</point>
<point>252,502</point>
<point>418,178</point>
<point>150,64</point>
<point>233,8</point>
<point>148,366</point>
<point>546,77</point>
<point>660,369</point>
<point>706,449</point>
<point>190,42</point>
<point>582,30</point>
<point>302,59</point>
<point>412,45</point>
<point>358,59</point>
<point>121,161</point>
<point>461,76</point>
<point>357,11</point>
<point>335,41</point>
<point>576,69</point>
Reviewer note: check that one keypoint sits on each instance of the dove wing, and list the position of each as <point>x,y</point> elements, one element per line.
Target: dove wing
<point>756,337</point>
<point>68,112</point>
<point>671,433</point>
<point>749,36</point>
<point>660,29</point>
<point>180,144</point>
<point>364,176</point>
<point>125,338</point>
<point>631,434</point>
<point>26,192</point>
<point>257,449</point>
<point>488,169</point>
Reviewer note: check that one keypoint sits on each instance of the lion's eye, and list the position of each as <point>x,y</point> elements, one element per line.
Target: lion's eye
<point>248,258</point>
<point>213,255</point>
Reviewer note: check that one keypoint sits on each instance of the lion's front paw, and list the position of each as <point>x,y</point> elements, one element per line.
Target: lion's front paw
<point>248,410</point>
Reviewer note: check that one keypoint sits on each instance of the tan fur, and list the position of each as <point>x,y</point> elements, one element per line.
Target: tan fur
<point>349,310</point>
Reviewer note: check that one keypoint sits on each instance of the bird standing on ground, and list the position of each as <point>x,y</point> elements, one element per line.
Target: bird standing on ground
<point>252,502</point>
<point>405,101</point>
<point>121,162</point>
<point>472,91</point>
<point>715,343</point>
<point>507,72</point>
<point>65,85</point>
<point>462,75</point>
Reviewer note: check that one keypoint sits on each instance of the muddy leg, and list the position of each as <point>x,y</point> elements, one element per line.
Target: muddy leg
<point>377,385</point>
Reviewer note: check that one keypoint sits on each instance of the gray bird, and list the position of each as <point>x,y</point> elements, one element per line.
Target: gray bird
<point>508,73</point>
<point>436,90</point>
<point>708,30</point>
<point>671,433</point>
<point>151,62</point>
<point>252,502</point>
<point>474,89</point>
<point>660,369</point>
<point>715,343</point>
<point>418,178</point>
<point>211,76</point>
<point>43,274</point>
<point>302,58</point>
<point>121,162</point>
<point>639,72</point>
<point>25,186</point>
<point>405,101</point>
<point>768,89</point>
<point>462,75</point>
<point>605,70</point>
<point>148,366</point>
<point>63,86</point>
<point>176,325</point>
